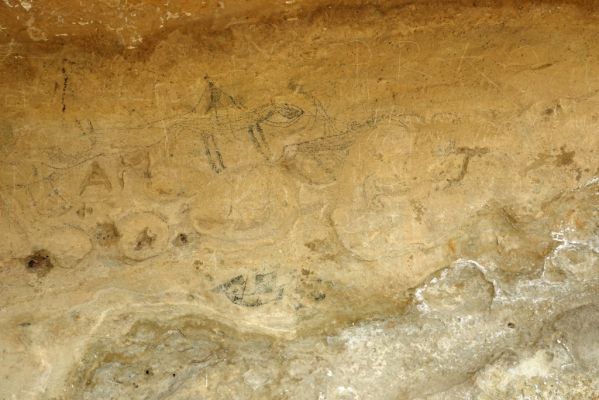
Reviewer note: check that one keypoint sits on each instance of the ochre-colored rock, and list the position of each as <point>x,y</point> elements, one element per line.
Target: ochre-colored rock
<point>299,200</point>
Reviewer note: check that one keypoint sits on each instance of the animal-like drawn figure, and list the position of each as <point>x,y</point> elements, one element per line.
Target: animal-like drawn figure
<point>222,123</point>
<point>273,115</point>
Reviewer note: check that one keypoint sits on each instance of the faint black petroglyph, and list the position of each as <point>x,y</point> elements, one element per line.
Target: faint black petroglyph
<point>7,137</point>
<point>106,234</point>
<point>136,163</point>
<point>65,84</point>
<point>297,133</point>
<point>277,115</point>
<point>215,159</point>
<point>468,154</point>
<point>87,128</point>
<point>243,291</point>
<point>278,131</point>
<point>317,160</point>
<point>95,177</point>
<point>47,198</point>
<point>207,119</point>
<point>142,235</point>
<point>312,287</point>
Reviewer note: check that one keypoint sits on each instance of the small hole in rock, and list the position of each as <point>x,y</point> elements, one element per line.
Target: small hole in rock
<point>181,240</point>
<point>39,262</point>
<point>145,239</point>
<point>319,296</point>
<point>107,234</point>
<point>511,325</point>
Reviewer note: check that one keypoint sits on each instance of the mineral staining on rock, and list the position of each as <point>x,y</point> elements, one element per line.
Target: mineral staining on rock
<point>143,235</point>
<point>337,202</point>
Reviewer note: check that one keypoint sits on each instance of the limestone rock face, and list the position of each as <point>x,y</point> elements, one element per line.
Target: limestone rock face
<point>299,200</point>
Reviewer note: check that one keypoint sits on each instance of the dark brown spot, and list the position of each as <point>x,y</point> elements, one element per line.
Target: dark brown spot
<point>83,211</point>
<point>106,234</point>
<point>319,296</point>
<point>39,262</point>
<point>145,239</point>
<point>181,240</point>
<point>565,157</point>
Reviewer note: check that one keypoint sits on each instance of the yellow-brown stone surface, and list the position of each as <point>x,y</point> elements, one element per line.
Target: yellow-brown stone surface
<point>299,200</point>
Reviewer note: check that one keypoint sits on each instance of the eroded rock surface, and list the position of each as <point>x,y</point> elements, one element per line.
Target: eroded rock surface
<point>299,201</point>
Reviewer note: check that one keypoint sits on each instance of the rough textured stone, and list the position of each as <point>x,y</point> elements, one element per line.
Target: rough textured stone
<point>299,200</point>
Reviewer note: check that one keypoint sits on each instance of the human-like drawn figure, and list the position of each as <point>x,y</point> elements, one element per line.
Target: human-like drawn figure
<point>207,118</point>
